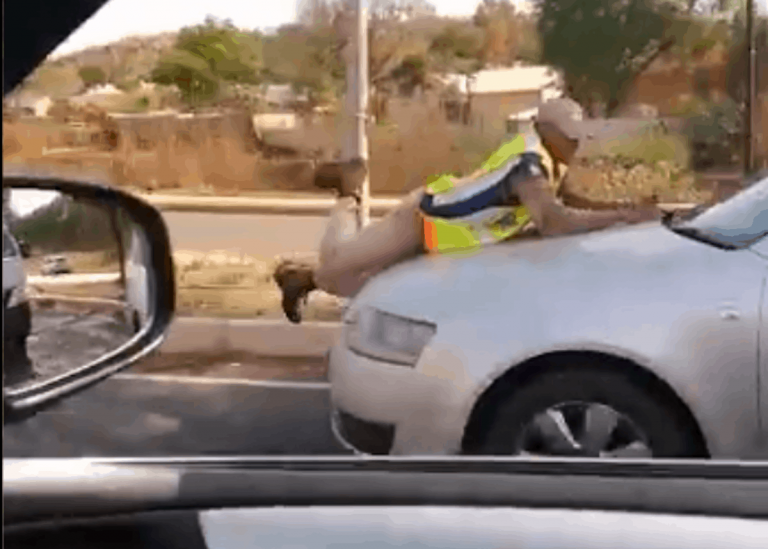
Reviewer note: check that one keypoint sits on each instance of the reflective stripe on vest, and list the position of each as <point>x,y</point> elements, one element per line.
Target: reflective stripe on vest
<point>469,235</point>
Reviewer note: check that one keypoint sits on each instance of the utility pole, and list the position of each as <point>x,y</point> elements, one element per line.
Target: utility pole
<point>355,55</point>
<point>749,144</point>
<point>361,117</point>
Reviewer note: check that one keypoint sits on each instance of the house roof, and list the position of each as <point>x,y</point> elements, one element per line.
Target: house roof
<point>515,79</point>
<point>280,94</point>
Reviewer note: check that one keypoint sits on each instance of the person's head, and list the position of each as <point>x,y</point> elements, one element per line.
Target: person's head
<point>558,123</point>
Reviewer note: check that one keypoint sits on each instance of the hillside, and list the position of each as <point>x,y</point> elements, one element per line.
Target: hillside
<point>123,62</point>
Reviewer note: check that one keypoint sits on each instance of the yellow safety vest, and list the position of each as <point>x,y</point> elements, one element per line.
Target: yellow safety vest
<point>467,236</point>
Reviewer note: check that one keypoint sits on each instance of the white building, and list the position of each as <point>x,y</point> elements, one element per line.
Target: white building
<point>35,105</point>
<point>495,100</point>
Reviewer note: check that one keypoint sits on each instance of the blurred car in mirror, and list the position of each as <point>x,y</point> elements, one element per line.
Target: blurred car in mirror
<point>94,294</point>
<point>16,312</point>
<point>54,265</point>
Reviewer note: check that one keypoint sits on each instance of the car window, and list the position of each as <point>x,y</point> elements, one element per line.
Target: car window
<point>455,334</point>
<point>9,248</point>
<point>741,220</point>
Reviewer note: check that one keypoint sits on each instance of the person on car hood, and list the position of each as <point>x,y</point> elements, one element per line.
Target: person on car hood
<point>521,183</point>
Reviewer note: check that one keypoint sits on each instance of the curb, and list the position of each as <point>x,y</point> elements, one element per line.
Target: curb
<point>251,205</point>
<point>258,337</point>
<point>285,206</point>
<point>73,279</point>
<point>78,305</point>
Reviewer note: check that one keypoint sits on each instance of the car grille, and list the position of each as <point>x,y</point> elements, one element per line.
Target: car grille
<point>365,436</point>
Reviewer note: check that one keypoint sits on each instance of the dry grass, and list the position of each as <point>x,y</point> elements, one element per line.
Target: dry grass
<point>105,290</point>
<point>605,179</point>
<point>238,291</point>
<point>94,262</point>
<point>402,158</point>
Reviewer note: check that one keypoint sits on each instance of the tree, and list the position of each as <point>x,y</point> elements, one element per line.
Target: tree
<point>411,74</point>
<point>738,67</point>
<point>601,45</point>
<point>458,49</point>
<point>313,13</point>
<point>305,58</point>
<point>529,41</point>
<point>398,10</point>
<point>501,25</point>
<point>191,74</point>
<point>206,55</point>
<point>92,76</point>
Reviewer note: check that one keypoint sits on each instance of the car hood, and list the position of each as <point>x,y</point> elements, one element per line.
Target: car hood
<point>434,287</point>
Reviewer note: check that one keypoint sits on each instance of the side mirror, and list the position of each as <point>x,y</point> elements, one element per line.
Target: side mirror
<point>93,293</point>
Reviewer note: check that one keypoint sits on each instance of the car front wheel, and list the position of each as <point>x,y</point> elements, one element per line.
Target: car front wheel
<point>593,413</point>
<point>17,366</point>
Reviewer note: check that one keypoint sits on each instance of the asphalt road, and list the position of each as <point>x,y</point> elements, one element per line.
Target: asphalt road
<point>264,236</point>
<point>142,417</point>
<point>149,417</point>
<point>60,341</point>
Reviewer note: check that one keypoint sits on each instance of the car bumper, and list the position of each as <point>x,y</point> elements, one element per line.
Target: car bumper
<point>381,408</point>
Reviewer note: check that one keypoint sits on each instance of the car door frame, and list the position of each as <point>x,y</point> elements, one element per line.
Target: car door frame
<point>760,249</point>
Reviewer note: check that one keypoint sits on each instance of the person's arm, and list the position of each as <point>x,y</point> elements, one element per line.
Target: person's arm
<point>552,217</point>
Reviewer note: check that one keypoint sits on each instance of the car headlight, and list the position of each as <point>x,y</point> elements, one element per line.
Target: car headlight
<point>385,336</point>
<point>16,296</point>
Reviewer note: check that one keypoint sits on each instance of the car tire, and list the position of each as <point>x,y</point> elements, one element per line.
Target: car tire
<point>669,433</point>
<point>17,366</point>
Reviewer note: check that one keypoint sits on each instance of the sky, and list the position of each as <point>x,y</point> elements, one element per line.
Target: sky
<point>120,18</point>
<point>26,201</point>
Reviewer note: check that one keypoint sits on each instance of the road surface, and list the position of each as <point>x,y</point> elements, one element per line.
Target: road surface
<point>264,236</point>
<point>153,416</point>
<point>60,342</point>
<point>137,416</point>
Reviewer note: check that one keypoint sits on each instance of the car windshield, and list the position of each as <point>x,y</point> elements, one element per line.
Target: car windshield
<point>325,217</point>
<point>736,223</point>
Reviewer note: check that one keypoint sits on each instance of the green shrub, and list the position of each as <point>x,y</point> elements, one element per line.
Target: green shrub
<point>716,135</point>
<point>653,148</point>
<point>129,85</point>
<point>695,106</point>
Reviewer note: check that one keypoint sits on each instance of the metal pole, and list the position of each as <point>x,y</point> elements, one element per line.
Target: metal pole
<point>353,28</point>
<point>361,107</point>
<point>749,145</point>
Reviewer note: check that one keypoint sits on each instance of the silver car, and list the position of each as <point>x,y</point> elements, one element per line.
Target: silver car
<point>55,265</point>
<point>638,341</point>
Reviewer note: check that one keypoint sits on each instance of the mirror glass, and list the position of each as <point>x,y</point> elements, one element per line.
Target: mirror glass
<point>75,284</point>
